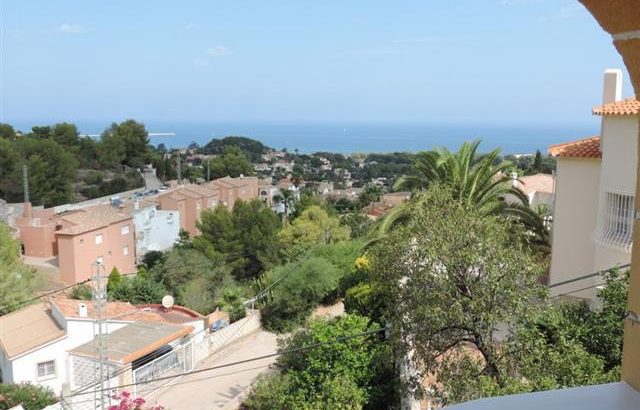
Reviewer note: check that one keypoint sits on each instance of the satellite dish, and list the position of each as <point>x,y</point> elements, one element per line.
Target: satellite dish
<point>167,301</point>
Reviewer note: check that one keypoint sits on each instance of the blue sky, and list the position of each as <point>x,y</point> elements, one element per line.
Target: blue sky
<point>476,61</point>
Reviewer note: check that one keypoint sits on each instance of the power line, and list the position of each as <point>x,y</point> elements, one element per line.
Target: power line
<point>590,275</point>
<point>206,369</point>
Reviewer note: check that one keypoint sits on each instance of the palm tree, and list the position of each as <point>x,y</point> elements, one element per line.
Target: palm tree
<point>286,197</point>
<point>483,182</point>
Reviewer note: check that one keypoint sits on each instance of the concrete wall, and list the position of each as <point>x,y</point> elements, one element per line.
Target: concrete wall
<point>25,368</point>
<point>574,221</point>
<point>618,144</point>
<point>156,230</point>
<point>39,241</point>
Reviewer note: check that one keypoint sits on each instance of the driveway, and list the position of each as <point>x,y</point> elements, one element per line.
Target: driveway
<point>223,388</point>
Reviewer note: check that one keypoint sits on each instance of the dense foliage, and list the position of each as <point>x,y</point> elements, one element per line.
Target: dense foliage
<point>354,373</point>
<point>245,237</point>
<point>31,397</point>
<point>231,162</point>
<point>253,149</point>
<point>315,277</point>
<point>17,280</point>
<point>484,327</point>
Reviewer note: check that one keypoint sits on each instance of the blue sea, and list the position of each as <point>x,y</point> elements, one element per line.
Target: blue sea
<point>346,137</point>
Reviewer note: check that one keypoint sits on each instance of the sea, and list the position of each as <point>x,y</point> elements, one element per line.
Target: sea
<point>347,138</point>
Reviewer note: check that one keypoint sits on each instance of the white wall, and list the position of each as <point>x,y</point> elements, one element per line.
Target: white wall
<point>25,367</point>
<point>619,153</point>
<point>155,229</point>
<point>574,221</point>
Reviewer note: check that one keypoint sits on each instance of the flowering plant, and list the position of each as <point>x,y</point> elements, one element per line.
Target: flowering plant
<point>126,402</point>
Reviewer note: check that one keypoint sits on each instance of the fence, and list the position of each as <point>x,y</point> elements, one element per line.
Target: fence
<point>179,360</point>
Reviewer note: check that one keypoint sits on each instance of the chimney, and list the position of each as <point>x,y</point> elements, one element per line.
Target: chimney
<point>612,86</point>
<point>514,179</point>
<point>82,310</point>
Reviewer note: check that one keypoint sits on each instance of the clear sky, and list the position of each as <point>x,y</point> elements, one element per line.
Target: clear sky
<point>474,61</point>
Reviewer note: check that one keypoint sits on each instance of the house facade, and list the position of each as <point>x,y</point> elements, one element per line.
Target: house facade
<point>49,343</point>
<point>156,229</point>
<point>594,202</point>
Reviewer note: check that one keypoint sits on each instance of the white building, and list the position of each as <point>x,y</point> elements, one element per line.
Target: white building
<point>38,342</point>
<point>156,230</point>
<point>594,202</point>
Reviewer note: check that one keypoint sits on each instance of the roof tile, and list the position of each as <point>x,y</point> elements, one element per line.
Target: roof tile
<point>584,148</point>
<point>629,106</point>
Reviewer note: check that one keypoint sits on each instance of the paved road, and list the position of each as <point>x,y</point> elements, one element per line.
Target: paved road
<point>223,388</point>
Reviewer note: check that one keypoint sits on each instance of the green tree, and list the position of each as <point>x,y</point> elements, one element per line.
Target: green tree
<point>313,227</point>
<point>40,132</point>
<point>451,279</point>
<point>115,280</point>
<point>65,134</point>
<point>126,143</point>
<point>7,131</point>
<point>231,302</point>
<point>479,181</point>
<point>231,162</point>
<point>194,295</point>
<point>354,373</point>
<point>537,162</point>
<point>140,289</point>
<point>10,171</point>
<point>18,281</point>
<point>52,170</point>
<point>287,198</point>
<point>246,236</point>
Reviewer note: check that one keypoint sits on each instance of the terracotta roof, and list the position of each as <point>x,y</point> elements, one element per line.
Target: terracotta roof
<point>135,341</point>
<point>536,183</point>
<point>238,182</point>
<point>27,329</point>
<point>629,106</point>
<point>201,190</point>
<point>584,148</point>
<point>125,311</point>
<point>91,218</point>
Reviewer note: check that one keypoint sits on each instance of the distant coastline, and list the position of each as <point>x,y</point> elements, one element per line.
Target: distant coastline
<point>349,138</point>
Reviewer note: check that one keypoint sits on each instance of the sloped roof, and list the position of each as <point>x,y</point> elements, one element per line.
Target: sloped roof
<point>584,148</point>
<point>91,218</point>
<point>629,106</point>
<point>536,183</point>
<point>27,329</point>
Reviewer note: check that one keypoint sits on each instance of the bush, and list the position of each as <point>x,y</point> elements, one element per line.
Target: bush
<point>354,373</point>
<point>139,290</point>
<point>231,302</point>
<point>81,292</point>
<point>31,397</point>
<point>115,280</point>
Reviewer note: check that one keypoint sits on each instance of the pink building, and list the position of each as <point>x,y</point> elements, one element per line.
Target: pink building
<point>100,233</point>
<point>190,200</point>
<point>80,238</point>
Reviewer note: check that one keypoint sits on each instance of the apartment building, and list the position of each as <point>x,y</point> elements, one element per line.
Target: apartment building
<point>231,190</point>
<point>156,230</point>
<point>100,234</point>
<point>594,201</point>
<point>189,201</point>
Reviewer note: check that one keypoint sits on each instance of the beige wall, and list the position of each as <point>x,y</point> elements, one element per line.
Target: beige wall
<point>78,253</point>
<point>619,153</point>
<point>39,241</point>
<point>574,221</point>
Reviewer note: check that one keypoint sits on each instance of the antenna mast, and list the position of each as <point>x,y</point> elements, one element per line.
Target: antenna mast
<point>102,395</point>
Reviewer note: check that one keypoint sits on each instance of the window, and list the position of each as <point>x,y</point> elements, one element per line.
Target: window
<point>46,369</point>
<point>125,250</point>
<point>616,220</point>
<point>124,229</point>
<point>98,239</point>
<point>100,260</point>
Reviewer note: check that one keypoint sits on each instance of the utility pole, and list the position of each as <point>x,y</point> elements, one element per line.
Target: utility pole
<point>25,183</point>
<point>178,169</point>
<point>102,396</point>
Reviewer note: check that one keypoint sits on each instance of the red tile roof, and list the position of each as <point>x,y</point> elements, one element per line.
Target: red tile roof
<point>629,106</point>
<point>584,148</point>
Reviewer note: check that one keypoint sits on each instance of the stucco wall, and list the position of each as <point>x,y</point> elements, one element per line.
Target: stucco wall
<point>78,253</point>
<point>156,230</point>
<point>619,153</point>
<point>574,216</point>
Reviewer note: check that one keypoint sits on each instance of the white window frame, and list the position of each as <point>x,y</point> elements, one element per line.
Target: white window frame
<point>99,239</point>
<point>46,365</point>
<point>616,219</point>
<point>124,229</point>
<point>125,250</point>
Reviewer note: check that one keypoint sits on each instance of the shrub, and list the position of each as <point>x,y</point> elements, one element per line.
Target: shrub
<point>31,397</point>
<point>81,292</point>
<point>139,290</point>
